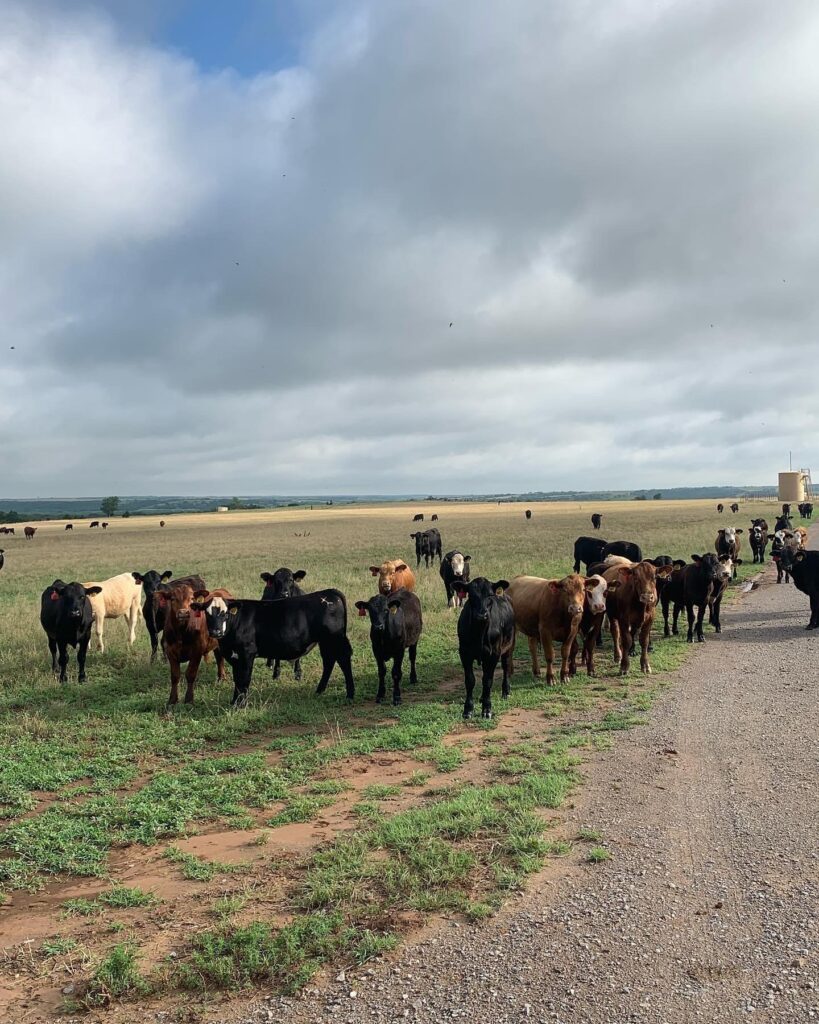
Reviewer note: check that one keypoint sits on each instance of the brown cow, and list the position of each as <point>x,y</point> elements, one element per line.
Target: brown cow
<point>161,522</point>
<point>29,531</point>
<point>631,602</point>
<point>550,610</point>
<point>186,637</point>
<point>393,575</point>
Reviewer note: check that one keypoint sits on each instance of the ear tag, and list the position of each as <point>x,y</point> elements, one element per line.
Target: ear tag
<point>393,609</point>
<point>55,596</point>
<point>234,611</point>
<point>499,591</point>
<point>362,612</point>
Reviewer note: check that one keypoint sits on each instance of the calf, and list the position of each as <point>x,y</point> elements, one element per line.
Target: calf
<point>66,617</point>
<point>393,575</point>
<point>104,526</point>
<point>591,623</point>
<point>528,513</point>
<point>118,597</point>
<point>29,532</point>
<point>786,509</point>
<point>758,539</point>
<point>278,586</point>
<point>419,518</point>
<point>186,636</point>
<point>69,526</point>
<point>588,550</point>
<point>720,509</point>
<point>435,518</point>
<point>807,511</point>
<point>454,568</point>
<point>728,543</point>
<point>395,627</point>
<point>550,610</point>
<point>631,603</point>
<point>625,548</point>
<point>670,591</point>
<point>153,583</point>
<point>782,523</point>
<point>161,522</point>
<point>597,520</point>
<point>804,568</point>
<point>427,546</point>
<point>734,508</point>
<point>486,634</point>
<point>281,629</point>
<point>704,581</point>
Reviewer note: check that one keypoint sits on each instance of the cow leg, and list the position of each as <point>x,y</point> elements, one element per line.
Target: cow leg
<point>336,650</point>
<point>626,642</point>
<point>533,653</point>
<point>689,609</point>
<point>190,677</point>
<point>489,666</point>
<point>154,642</point>
<point>277,667</point>
<point>133,616</point>
<point>715,610</point>
<point>413,651</point>
<point>382,675</point>
<point>82,650</point>
<point>700,617</point>
<point>674,622</point>
<point>175,673</point>
<point>99,625</point>
<point>297,670</point>
<point>469,685</point>
<point>242,674</point>
<point>52,646</point>
<point>221,675</point>
<point>506,665</point>
<point>568,658</point>
<point>665,601</point>
<point>614,627</point>
<point>645,647</point>
<point>814,612</point>
<point>63,647</point>
<point>549,656</point>
<point>397,672</point>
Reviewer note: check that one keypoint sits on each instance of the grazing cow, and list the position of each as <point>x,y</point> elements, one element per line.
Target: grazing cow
<point>670,591</point>
<point>93,523</point>
<point>704,581</point>
<point>29,531</point>
<point>735,508</point>
<point>720,509</point>
<point>427,546</point>
<point>278,586</point>
<point>782,523</point>
<point>153,583</point>
<point>418,518</point>
<point>10,529</point>
<point>286,630</point>
<point>66,617</point>
<point>804,567</point>
<point>454,568</point>
<point>161,522</point>
<point>393,575</point>
<point>591,623</point>
<point>435,518</point>
<point>728,543</point>
<point>69,526</point>
<point>597,520</point>
<point>104,526</point>
<point>758,539</point>
<point>486,634</point>
<point>395,627</point>
<point>2,558</point>
<point>186,637</point>
<point>118,596</point>
<point>631,603</point>
<point>549,611</point>
<point>588,550</point>
<point>528,513</point>
<point>625,548</point>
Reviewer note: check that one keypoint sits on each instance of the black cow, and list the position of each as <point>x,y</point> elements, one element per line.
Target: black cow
<point>661,560</point>
<point>486,634</point>
<point>786,509</point>
<point>454,568</point>
<point>66,617</point>
<point>597,520</point>
<point>624,548</point>
<point>720,509</point>
<point>782,523</point>
<point>427,546</point>
<point>419,518</point>
<point>806,510</point>
<point>69,526</point>
<point>395,627</point>
<point>2,558</point>
<point>670,591</point>
<point>735,508</point>
<point>435,518</point>
<point>805,571</point>
<point>783,549</point>
<point>705,580</point>
<point>287,630</point>
<point>154,583</point>
<point>588,550</point>
<point>91,525</point>
<point>758,539</point>
<point>528,513</point>
<point>278,586</point>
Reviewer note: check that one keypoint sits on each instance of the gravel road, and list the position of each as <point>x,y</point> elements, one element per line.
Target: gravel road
<point>709,907</point>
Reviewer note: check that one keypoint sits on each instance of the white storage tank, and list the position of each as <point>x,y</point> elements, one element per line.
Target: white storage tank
<point>791,487</point>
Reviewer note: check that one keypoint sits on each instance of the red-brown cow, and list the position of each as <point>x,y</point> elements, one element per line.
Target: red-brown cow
<point>186,637</point>
<point>631,602</point>
<point>393,575</point>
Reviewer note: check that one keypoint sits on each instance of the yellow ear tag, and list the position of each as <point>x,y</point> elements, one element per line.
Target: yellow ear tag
<point>499,591</point>
<point>393,609</point>
<point>234,610</point>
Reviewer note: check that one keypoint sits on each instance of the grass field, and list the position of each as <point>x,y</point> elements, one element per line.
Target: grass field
<point>147,855</point>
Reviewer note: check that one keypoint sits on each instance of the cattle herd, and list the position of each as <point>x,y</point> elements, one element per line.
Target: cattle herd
<point>188,621</point>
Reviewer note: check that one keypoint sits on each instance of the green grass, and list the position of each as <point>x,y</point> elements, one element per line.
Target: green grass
<point>597,854</point>
<point>199,869</point>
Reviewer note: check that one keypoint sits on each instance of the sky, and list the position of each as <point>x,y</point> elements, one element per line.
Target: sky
<point>392,246</point>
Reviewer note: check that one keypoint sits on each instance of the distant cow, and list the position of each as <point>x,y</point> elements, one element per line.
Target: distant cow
<point>104,526</point>
<point>427,546</point>
<point>393,575</point>
<point>588,550</point>
<point>705,580</point>
<point>728,543</point>
<point>758,539</point>
<point>66,617</point>
<point>805,571</point>
<point>2,558</point>
<point>69,526</point>
<point>486,634</point>
<point>454,568</point>
<point>806,510</point>
<point>29,531</point>
<point>153,583</point>
<point>786,509</point>
<point>631,602</point>
<point>418,518</point>
<point>597,520</point>
<point>286,630</point>
<point>93,523</point>
<point>435,518</point>
<point>720,509</point>
<point>735,508</point>
<point>626,548</point>
<point>186,637</point>
<point>161,522</point>
<point>395,626</point>
<point>278,586</point>
<point>528,513</point>
<point>550,611</point>
<point>118,597</point>
<point>8,529</point>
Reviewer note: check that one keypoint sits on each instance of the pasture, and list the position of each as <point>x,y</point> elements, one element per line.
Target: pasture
<point>174,860</point>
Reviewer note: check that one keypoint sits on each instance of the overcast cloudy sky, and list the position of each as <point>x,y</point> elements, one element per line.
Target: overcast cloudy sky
<point>406,245</point>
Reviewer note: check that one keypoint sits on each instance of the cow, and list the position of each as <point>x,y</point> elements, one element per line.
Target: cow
<point>704,582</point>
<point>806,510</point>
<point>396,624</point>
<point>781,538</point>
<point>597,520</point>
<point>591,623</point>
<point>394,574</point>
<point>660,561</point>
<point>161,522</point>
<point>66,616</point>
<point>435,518</point>
<point>720,509</point>
<point>418,517</point>
<point>588,550</point>
<point>783,523</point>
<point>728,543</point>
<point>186,637</point>
<point>10,530</point>
<point>670,591</point>
<point>804,567</point>
<point>786,509</point>
<point>286,630</point>
<point>153,583</point>
<point>528,513</point>
<point>69,526</point>
<point>2,558</point>
<point>631,603</point>
<point>549,611</point>
<point>734,508</point>
<point>758,539</point>
<point>104,526</point>
<point>454,568</point>
<point>29,531</point>
<point>486,634</point>
<point>278,586</point>
<point>118,596</point>
<point>625,548</point>
<point>801,535</point>
<point>427,546</point>
<point>93,523</point>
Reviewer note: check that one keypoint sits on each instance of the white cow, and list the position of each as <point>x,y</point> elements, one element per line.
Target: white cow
<point>120,596</point>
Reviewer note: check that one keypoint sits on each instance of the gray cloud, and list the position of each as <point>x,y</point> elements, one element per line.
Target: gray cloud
<point>221,283</point>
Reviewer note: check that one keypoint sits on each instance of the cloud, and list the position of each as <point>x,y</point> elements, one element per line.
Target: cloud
<point>217,282</point>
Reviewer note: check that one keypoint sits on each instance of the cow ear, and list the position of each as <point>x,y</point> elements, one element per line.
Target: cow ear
<point>138,577</point>
<point>375,569</point>
<point>467,558</point>
<point>614,585</point>
<point>799,556</point>
<point>625,573</point>
<point>555,585</point>
<point>362,607</point>
<point>739,530</point>
<point>737,561</point>
<point>90,590</point>
<point>589,583</point>
<point>678,563</point>
<point>265,576</point>
<point>167,574</point>
<point>696,558</point>
<point>413,536</point>
<point>299,575</point>
<point>401,567</point>
<point>199,594</point>
<point>665,570</point>
<point>233,609</point>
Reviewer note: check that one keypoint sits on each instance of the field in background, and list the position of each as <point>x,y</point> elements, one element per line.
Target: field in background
<point>300,831</point>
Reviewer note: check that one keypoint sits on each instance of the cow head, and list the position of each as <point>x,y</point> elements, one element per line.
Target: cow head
<point>481,595</point>
<point>596,594</point>
<point>218,611</point>
<point>711,567</point>
<point>386,573</point>
<point>73,598</point>
<point>281,584</point>
<point>573,589</point>
<point>643,576</point>
<point>458,563</point>
<point>178,601</point>
<point>386,614</point>
<point>151,579</point>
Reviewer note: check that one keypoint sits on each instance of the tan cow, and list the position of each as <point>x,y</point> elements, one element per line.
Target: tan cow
<point>393,575</point>
<point>631,602</point>
<point>119,596</point>
<point>550,610</point>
